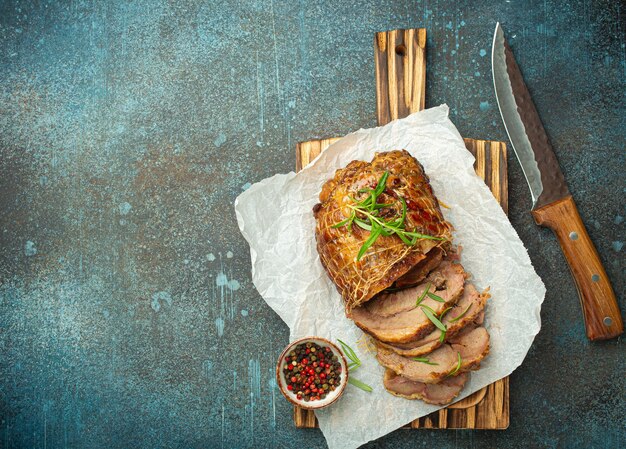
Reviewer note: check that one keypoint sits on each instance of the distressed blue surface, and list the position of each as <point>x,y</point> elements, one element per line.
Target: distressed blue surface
<point>127,129</point>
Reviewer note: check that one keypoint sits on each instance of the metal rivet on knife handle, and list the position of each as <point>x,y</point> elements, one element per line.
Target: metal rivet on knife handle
<point>573,236</point>
<point>608,321</point>
<point>595,278</point>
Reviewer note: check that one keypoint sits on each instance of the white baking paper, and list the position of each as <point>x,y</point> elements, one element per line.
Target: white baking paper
<point>275,216</point>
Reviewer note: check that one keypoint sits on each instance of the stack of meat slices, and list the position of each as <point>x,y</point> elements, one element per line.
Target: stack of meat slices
<point>413,300</point>
<point>422,360</point>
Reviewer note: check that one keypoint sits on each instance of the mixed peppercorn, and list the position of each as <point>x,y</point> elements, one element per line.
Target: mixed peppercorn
<point>312,371</point>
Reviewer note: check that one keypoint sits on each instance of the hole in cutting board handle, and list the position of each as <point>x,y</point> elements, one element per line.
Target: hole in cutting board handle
<point>400,50</point>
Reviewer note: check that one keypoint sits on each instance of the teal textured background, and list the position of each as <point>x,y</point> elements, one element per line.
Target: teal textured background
<point>127,129</point>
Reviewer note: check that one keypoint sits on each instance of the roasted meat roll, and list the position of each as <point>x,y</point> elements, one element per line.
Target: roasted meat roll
<point>377,222</point>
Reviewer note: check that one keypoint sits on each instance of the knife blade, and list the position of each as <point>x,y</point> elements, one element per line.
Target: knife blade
<point>553,205</point>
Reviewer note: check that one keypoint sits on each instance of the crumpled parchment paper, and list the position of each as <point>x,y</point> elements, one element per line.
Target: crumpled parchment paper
<point>275,216</point>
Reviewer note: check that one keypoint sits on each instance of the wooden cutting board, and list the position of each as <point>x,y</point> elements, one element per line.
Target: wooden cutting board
<point>400,59</point>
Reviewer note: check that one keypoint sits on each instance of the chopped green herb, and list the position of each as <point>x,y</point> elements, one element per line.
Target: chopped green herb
<point>355,363</point>
<point>431,316</point>
<point>423,295</point>
<point>424,360</point>
<point>357,383</point>
<point>461,315</point>
<point>442,337</point>
<point>435,297</point>
<point>442,314</point>
<point>458,366</point>
<point>374,233</point>
<point>424,306</point>
<point>344,222</point>
<point>362,224</point>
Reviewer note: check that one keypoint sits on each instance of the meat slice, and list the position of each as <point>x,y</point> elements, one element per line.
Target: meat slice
<point>472,346</point>
<point>468,310</point>
<point>394,317</point>
<point>388,258</point>
<point>422,346</point>
<point>439,394</point>
<point>442,361</point>
<point>419,272</point>
<point>450,278</point>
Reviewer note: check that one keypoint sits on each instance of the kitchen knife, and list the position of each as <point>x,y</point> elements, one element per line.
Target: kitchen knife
<point>553,205</point>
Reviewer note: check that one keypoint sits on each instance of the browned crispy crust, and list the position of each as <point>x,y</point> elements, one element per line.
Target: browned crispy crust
<point>388,258</point>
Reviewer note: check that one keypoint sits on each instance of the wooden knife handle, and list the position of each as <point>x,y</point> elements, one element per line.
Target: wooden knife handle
<point>600,310</point>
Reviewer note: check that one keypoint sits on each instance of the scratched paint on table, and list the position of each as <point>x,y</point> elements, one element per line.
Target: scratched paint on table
<point>127,129</point>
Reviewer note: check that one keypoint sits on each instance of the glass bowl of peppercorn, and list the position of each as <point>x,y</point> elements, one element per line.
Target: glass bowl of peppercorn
<point>312,373</point>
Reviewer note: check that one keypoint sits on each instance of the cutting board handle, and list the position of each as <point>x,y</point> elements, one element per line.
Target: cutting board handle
<point>600,310</point>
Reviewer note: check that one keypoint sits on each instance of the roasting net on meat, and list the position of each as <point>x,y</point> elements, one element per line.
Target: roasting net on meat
<point>389,258</point>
